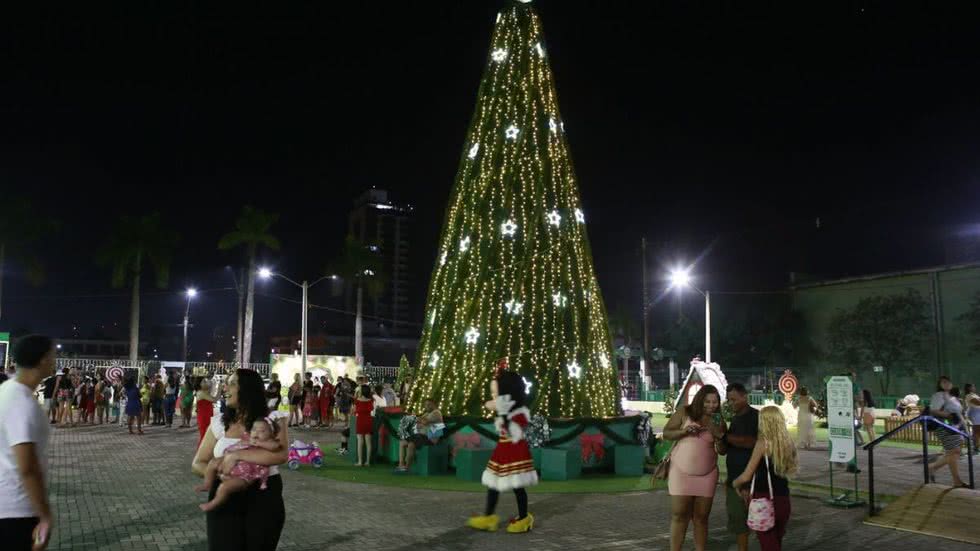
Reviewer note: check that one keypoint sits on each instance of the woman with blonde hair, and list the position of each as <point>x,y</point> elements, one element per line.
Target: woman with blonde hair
<point>774,461</point>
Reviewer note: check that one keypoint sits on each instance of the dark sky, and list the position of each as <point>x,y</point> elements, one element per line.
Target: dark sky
<point>704,128</point>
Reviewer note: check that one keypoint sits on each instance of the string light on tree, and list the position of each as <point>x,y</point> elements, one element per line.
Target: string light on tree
<point>554,218</point>
<point>516,178</point>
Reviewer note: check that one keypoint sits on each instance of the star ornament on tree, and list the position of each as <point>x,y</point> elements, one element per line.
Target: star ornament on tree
<point>512,132</point>
<point>442,259</point>
<point>604,361</point>
<point>435,360</point>
<point>559,299</point>
<point>499,55</point>
<point>574,370</point>
<point>513,307</point>
<point>472,335</point>
<point>527,385</point>
<point>579,216</point>
<point>474,149</point>
<point>464,244</point>
<point>539,49</point>
<point>554,218</point>
<point>508,228</point>
<point>552,125</point>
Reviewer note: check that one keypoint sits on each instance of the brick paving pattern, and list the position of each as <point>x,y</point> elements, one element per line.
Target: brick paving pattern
<point>115,491</point>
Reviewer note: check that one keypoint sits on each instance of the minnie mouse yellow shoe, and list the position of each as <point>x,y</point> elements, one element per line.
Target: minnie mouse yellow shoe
<point>487,523</point>
<point>520,526</point>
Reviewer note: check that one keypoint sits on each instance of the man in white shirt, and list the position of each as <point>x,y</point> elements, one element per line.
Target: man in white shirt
<point>25,516</point>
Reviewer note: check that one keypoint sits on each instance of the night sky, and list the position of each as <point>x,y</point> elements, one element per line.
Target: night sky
<point>718,133</point>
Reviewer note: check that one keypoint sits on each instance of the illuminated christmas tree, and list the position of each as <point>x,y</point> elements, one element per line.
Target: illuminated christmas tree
<point>514,276</point>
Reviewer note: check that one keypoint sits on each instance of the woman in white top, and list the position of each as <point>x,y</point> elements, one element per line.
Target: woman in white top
<point>251,520</point>
<point>944,406</point>
<point>972,403</point>
<point>804,419</point>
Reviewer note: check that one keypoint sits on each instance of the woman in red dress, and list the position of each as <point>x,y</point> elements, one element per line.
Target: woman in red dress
<point>326,402</point>
<point>205,409</point>
<point>511,466</point>
<point>364,409</point>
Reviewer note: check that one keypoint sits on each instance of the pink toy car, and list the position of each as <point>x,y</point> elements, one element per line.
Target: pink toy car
<point>307,455</point>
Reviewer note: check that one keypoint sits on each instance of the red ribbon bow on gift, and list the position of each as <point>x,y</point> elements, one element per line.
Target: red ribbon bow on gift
<point>592,445</point>
<point>470,440</point>
<point>383,436</point>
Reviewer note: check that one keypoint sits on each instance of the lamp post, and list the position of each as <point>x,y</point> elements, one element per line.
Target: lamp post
<point>266,273</point>
<point>682,278</point>
<point>191,293</point>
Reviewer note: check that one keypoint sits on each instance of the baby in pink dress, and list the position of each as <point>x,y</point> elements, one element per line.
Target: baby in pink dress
<point>243,473</point>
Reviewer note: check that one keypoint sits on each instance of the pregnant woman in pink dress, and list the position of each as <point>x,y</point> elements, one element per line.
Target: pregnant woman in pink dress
<point>697,431</point>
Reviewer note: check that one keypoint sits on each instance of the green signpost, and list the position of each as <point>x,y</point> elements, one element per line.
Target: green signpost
<point>840,429</point>
<point>4,350</point>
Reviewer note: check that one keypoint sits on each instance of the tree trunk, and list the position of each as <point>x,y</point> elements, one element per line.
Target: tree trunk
<point>241,306</point>
<point>134,314</point>
<point>249,310</point>
<point>358,332</point>
<point>3,259</point>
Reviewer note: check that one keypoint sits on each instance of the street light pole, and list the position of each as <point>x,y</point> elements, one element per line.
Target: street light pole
<point>266,273</point>
<point>681,278</point>
<point>306,308</point>
<point>191,293</point>
<point>707,327</point>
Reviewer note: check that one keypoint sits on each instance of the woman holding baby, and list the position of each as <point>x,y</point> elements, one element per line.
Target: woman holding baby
<point>248,513</point>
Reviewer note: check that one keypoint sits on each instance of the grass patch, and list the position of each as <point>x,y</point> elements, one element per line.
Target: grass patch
<point>340,468</point>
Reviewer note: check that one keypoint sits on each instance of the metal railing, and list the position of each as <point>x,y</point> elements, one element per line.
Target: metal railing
<point>924,419</point>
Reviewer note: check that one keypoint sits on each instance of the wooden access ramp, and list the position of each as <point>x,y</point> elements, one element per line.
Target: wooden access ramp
<point>934,510</point>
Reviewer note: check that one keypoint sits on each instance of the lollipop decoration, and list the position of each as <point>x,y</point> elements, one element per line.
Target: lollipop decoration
<point>114,373</point>
<point>788,384</point>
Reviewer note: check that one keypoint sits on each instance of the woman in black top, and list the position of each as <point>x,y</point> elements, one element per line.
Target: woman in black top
<point>774,461</point>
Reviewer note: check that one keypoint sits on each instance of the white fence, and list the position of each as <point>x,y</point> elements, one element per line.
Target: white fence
<point>199,369</point>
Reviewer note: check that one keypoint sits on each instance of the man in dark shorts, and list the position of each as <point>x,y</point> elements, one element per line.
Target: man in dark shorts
<point>740,439</point>
<point>406,448</point>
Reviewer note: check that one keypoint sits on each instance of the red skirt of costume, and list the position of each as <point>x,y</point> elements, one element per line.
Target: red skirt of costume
<point>511,465</point>
<point>205,409</point>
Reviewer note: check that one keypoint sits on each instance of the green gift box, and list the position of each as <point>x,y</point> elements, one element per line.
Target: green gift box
<point>430,460</point>
<point>628,460</point>
<point>471,462</point>
<point>561,464</point>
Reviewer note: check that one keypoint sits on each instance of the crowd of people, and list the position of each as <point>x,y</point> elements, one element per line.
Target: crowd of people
<point>241,448</point>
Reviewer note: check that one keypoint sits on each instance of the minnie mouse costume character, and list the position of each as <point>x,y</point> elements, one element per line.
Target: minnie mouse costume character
<point>511,466</point>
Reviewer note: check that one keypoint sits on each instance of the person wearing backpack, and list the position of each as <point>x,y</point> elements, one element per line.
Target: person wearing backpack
<point>765,481</point>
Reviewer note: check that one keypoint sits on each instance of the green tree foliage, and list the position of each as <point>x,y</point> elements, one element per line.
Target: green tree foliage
<point>891,331</point>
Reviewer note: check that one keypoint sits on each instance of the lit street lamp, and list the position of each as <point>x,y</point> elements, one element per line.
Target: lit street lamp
<point>682,278</point>
<point>266,273</point>
<point>191,293</point>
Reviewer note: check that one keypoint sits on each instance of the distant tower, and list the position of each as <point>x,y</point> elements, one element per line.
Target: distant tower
<point>376,221</point>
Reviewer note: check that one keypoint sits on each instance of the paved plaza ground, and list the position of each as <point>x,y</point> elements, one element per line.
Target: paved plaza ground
<point>115,491</point>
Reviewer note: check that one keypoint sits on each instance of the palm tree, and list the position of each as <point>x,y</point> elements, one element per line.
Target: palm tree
<point>134,242</point>
<point>251,231</point>
<point>20,227</point>
<point>360,264</point>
